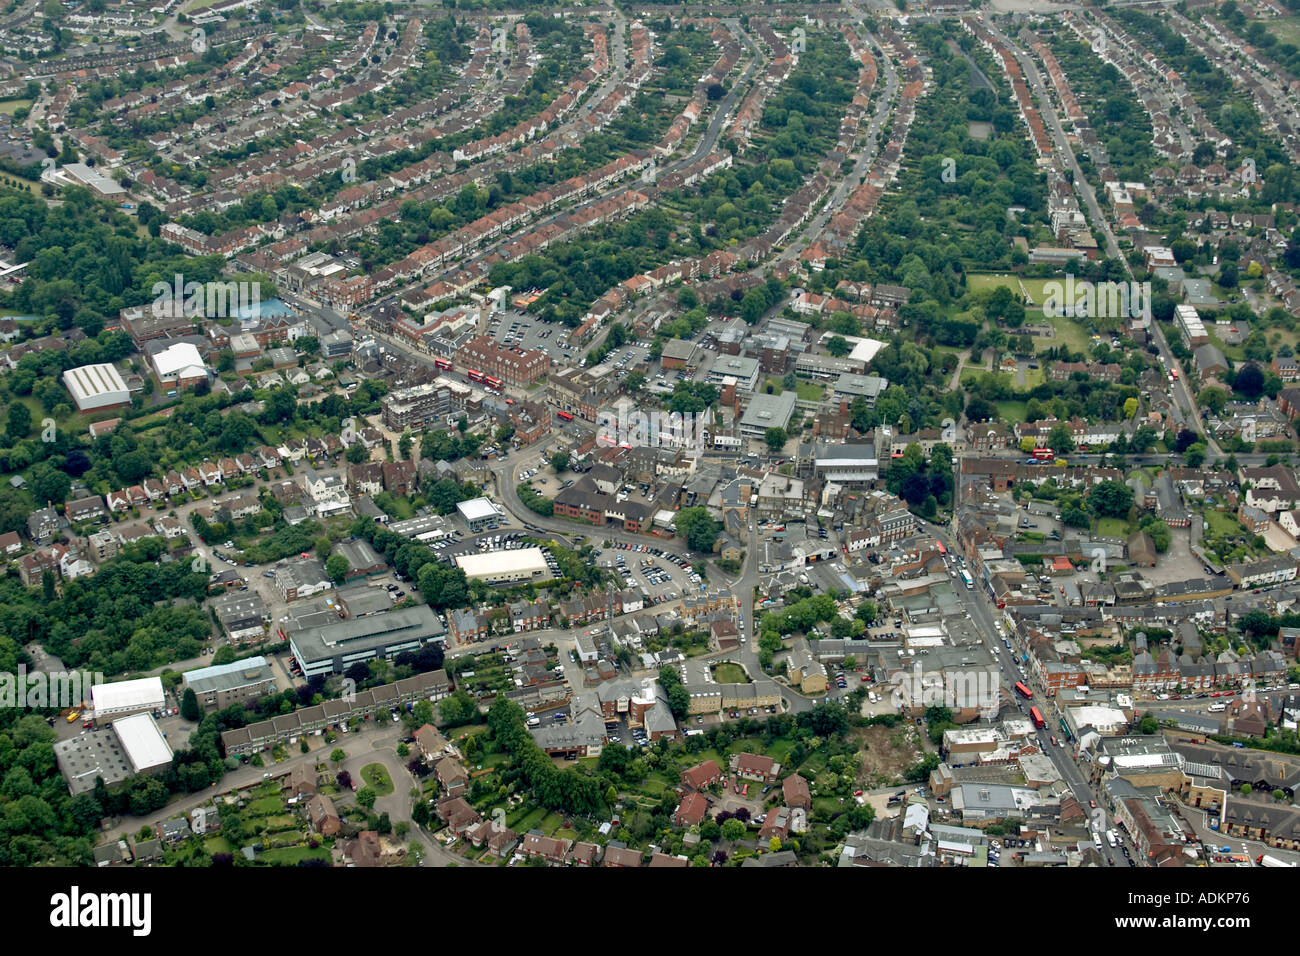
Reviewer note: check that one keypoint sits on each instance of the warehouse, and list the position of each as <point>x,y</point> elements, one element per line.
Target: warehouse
<point>334,648</point>
<point>503,567</point>
<point>95,387</point>
<point>132,745</point>
<point>112,701</point>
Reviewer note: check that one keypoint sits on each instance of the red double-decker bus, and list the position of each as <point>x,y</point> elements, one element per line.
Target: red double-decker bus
<point>1024,691</point>
<point>566,416</point>
<point>442,363</point>
<point>1038,718</point>
<point>474,375</point>
<point>1044,454</point>
<point>939,544</point>
<point>493,383</point>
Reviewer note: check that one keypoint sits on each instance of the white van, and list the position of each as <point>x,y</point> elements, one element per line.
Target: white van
<point>1218,708</point>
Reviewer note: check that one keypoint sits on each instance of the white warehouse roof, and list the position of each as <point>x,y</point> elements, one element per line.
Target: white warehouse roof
<point>477,509</point>
<point>182,359</point>
<point>496,564</point>
<point>143,694</point>
<point>142,742</point>
<point>96,383</point>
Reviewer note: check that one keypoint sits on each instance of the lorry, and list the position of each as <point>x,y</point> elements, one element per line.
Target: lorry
<point>1266,860</point>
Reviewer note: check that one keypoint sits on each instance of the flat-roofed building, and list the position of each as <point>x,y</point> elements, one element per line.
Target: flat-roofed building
<point>767,411</point>
<point>479,514</point>
<point>223,685</point>
<point>123,698</point>
<point>746,372</point>
<point>242,615</point>
<point>502,567</point>
<point>132,745</point>
<point>96,387</point>
<point>333,648</point>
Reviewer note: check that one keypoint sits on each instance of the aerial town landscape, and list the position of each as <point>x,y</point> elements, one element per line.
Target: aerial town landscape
<point>494,433</point>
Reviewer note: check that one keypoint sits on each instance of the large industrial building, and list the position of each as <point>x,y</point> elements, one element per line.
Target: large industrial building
<point>333,648</point>
<point>114,701</point>
<point>96,387</point>
<point>130,746</point>
<point>506,567</point>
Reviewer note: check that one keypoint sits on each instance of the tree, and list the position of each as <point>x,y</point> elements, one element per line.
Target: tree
<point>458,709</point>
<point>366,797</point>
<point>697,528</point>
<point>733,830</point>
<point>1249,381</point>
<point>1130,407</point>
<point>337,755</point>
<point>838,346</point>
<point>337,567</point>
<point>560,462</point>
<point>1149,725</point>
<point>1060,440</point>
<point>18,423</point>
<point>190,708</point>
<point>775,438</point>
<point>1110,499</point>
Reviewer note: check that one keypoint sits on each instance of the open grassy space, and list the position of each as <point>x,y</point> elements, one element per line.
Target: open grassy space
<point>266,806</point>
<point>376,777</point>
<point>217,844</point>
<point>1222,523</point>
<point>1112,527</point>
<point>1012,411</point>
<point>1068,333</point>
<point>8,107</point>
<point>292,856</point>
<point>806,391</point>
<point>730,674</point>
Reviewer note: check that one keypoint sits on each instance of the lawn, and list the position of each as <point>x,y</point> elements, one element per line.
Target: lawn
<point>1222,523</point>
<point>217,844</point>
<point>1070,334</point>
<point>376,777</point>
<point>1112,527</point>
<point>730,674</point>
<point>1012,411</point>
<point>292,856</point>
<point>807,391</point>
<point>8,107</point>
<point>266,806</point>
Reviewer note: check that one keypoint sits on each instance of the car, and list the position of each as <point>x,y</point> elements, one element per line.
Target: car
<point>1092,804</point>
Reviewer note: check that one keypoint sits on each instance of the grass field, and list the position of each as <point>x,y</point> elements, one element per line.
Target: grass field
<point>1012,411</point>
<point>1070,334</point>
<point>730,674</point>
<point>8,107</point>
<point>377,778</point>
<point>1031,290</point>
<point>1112,527</point>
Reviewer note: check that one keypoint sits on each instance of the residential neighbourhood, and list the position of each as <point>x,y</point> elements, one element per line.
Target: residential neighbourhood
<point>845,434</point>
